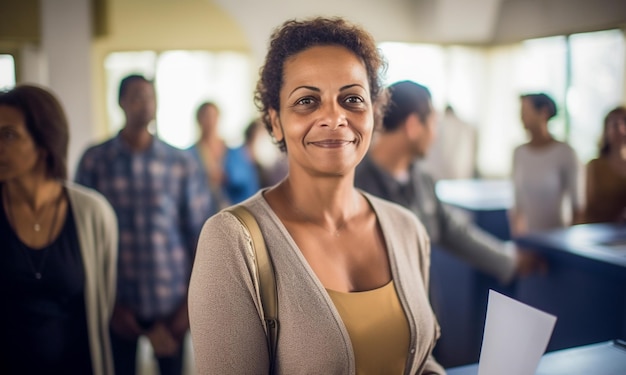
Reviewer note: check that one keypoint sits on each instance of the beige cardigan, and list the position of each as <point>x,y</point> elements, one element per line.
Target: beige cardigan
<point>224,307</point>
<point>97,229</point>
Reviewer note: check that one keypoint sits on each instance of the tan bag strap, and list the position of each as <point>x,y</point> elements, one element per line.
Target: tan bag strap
<point>267,281</point>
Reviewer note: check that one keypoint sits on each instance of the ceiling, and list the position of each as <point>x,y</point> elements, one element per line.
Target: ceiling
<point>482,22</point>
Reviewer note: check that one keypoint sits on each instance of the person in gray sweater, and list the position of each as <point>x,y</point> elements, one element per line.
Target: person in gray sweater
<point>351,270</point>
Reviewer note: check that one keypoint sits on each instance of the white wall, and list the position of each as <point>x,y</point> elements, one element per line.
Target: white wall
<point>66,57</point>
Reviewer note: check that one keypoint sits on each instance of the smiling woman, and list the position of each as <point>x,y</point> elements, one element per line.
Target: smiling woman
<point>328,109</point>
<point>351,269</point>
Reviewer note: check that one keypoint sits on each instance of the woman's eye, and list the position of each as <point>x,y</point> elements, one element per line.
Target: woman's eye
<point>354,99</point>
<point>305,101</point>
<point>7,136</point>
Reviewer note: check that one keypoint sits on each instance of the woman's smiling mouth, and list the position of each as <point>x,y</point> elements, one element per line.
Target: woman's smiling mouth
<point>332,143</point>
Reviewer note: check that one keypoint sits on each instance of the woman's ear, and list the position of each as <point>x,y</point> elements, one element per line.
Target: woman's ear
<point>277,129</point>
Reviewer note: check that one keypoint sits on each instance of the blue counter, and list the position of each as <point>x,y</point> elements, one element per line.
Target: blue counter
<point>586,283</point>
<point>459,293</point>
<point>585,286</point>
<point>605,358</point>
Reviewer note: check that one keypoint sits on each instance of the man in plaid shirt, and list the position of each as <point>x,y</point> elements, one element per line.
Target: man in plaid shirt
<point>162,200</point>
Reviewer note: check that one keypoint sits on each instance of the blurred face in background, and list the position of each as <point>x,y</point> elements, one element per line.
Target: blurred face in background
<point>422,133</point>
<point>616,129</point>
<point>531,117</point>
<point>139,104</point>
<point>208,119</point>
<point>19,154</point>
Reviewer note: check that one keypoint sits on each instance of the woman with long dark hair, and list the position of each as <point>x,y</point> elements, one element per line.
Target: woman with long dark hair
<point>59,247</point>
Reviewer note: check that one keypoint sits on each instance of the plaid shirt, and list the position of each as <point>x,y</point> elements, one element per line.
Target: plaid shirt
<point>161,200</point>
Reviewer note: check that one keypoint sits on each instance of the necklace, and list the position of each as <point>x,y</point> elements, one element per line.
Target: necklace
<point>37,271</point>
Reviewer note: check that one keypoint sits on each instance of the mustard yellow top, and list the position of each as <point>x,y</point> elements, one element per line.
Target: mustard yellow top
<point>378,329</point>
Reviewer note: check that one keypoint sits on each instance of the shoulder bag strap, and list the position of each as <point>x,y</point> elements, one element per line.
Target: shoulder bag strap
<point>267,281</point>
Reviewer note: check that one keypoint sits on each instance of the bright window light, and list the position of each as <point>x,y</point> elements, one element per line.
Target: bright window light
<point>7,72</point>
<point>483,85</point>
<point>183,80</point>
<point>421,63</point>
<point>596,86</point>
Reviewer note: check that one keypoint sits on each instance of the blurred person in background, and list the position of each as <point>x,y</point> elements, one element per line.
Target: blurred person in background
<point>231,173</point>
<point>59,247</point>
<point>161,199</point>
<point>209,150</point>
<point>545,173</point>
<point>391,171</point>
<point>606,174</point>
<point>271,164</point>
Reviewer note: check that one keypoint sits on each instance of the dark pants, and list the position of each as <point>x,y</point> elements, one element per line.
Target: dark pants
<point>125,358</point>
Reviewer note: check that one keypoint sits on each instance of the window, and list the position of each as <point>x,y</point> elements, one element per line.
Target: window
<point>7,71</point>
<point>183,80</point>
<point>421,63</point>
<point>583,73</point>
<point>597,84</point>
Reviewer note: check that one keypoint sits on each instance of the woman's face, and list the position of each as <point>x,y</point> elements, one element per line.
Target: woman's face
<point>616,129</point>
<point>531,117</point>
<point>18,153</point>
<point>326,116</point>
<point>209,119</point>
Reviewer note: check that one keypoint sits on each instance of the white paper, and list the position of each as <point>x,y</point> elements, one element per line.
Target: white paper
<point>516,336</point>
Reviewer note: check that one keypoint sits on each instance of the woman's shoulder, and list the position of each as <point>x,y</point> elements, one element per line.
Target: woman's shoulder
<point>599,165</point>
<point>85,195</point>
<point>597,162</point>
<point>256,204</point>
<point>561,148</point>
<point>87,202</point>
<point>521,148</point>
<point>522,151</point>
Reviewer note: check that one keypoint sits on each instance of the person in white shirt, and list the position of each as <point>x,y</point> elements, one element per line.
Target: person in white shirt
<point>545,173</point>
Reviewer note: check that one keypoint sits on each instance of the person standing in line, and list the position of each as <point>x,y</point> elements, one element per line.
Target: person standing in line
<point>606,174</point>
<point>545,173</point>
<point>351,269</point>
<point>161,200</point>
<point>59,247</point>
<point>231,173</point>
<point>209,151</point>
<point>271,167</point>
<point>391,170</point>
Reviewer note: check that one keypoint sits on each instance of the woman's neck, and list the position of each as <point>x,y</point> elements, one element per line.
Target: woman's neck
<point>540,137</point>
<point>618,153</point>
<point>35,192</point>
<point>331,200</point>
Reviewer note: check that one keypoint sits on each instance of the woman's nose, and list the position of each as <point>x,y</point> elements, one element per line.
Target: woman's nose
<point>333,116</point>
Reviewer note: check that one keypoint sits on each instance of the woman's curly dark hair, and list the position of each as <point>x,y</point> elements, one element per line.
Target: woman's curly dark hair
<point>295,36</point>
